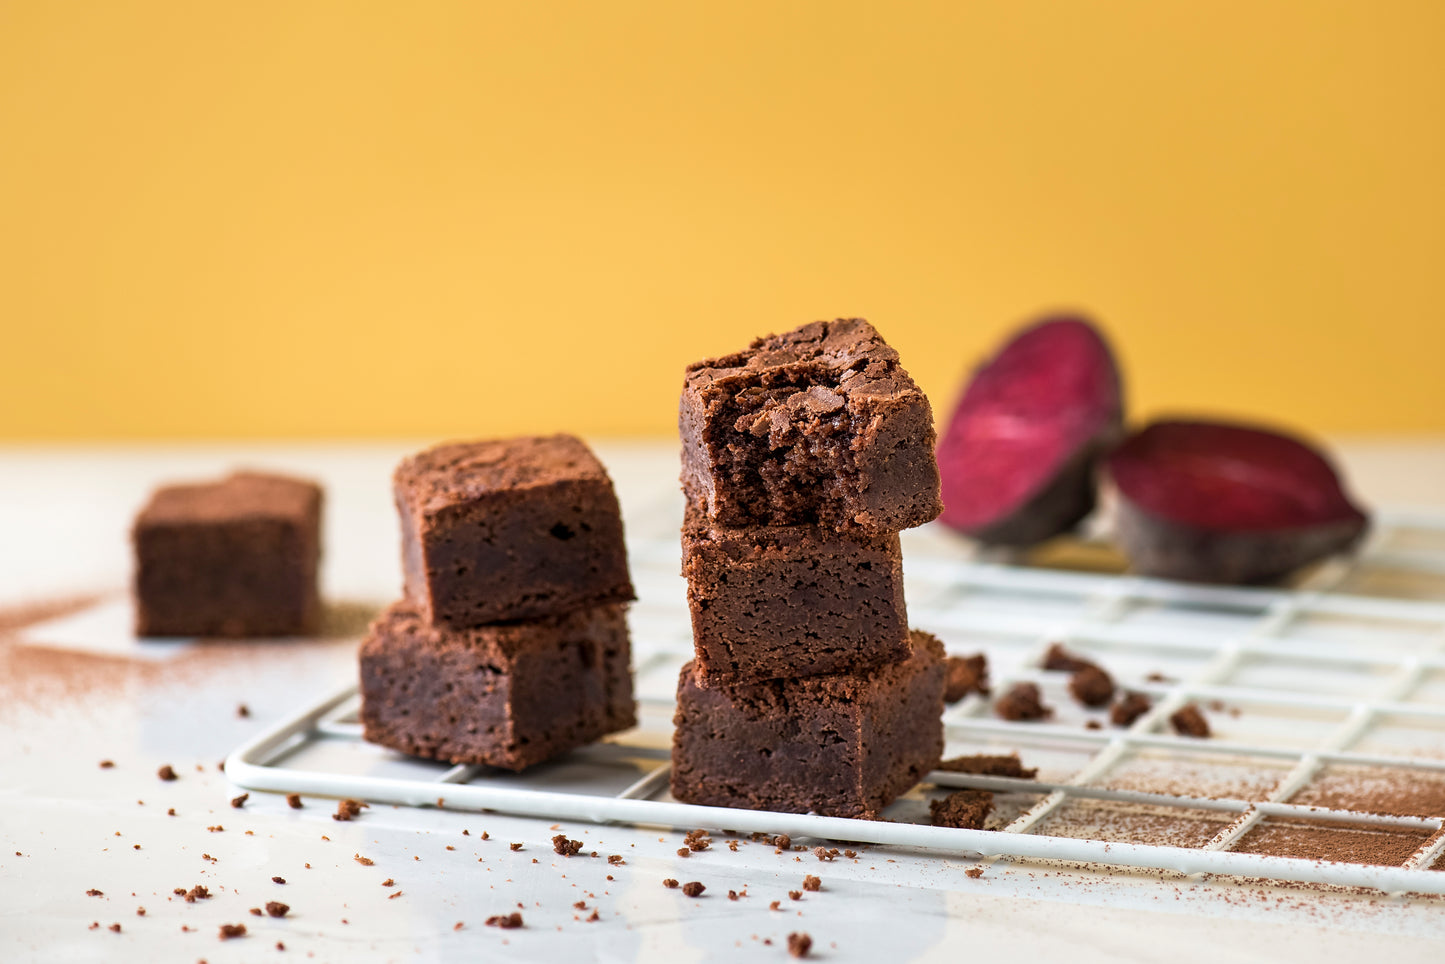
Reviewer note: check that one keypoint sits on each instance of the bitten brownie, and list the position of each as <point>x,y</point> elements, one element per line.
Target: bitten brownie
<point>509,529</point>
<point>508,696</point>
<point>817,426</point>
<point>772,602</point>
<point>235,557</point>
<point>841,745</point>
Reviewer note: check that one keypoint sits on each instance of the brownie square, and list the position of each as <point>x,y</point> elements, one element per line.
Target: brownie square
<point>843,745</point>
<point>770,602</point>
<point>509,529</point>
<point>508,696</point>
<point>231,558</point>
<point>818,426</point>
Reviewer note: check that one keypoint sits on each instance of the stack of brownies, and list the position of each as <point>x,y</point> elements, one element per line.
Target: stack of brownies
<point>511,645</point>
<point>803,458</point>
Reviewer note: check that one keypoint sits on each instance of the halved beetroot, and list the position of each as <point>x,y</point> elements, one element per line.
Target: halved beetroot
<point>1228,503</point>
<point>1017,459</point>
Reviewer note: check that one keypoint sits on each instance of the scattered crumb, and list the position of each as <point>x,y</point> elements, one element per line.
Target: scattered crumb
<point>364,861</point>
<point>388,882</point>
<point>505,921</point>
<point>107,764</point>
<point>615,859</point>
<point>799,944</point>
<point>1189,721</point>
<point>274,908</point>
<point>256,912</point>
<point>775,905</point>
<point>564,847</point>
<point>684,851</point>
<point>198,892</point>
<point>964,675</point>
<point>216,828</point>
<point>243,711</point>
<point>594,918</point>
<point>293,800</point>
<point>229,931</point>
<point>693,888</point>
<point>812,883</point>
<point>94,893</point>
<point>239,802</point>
<point>732,895</point>
<point>697,840</point>
<point>733,846</point>
<point>1060,660</point>
<point>1002,765</point>
<point>974,872</point>
<point>458,926</point>
<point>1091,686</point>
<point>140,912</point>
<point>171,812</point>
<point>824,853</point>
<point>278,880</point>
<point>1129,708</point>
<point>795,895</point>
<point>1093,725</point>
<point>395,894</point>
<point>115,928</point>
<point>669,883</point>
<point>347,809</point>
<point>1022,702</point>
<point>782,841</point>
<point>966,809</point>
<point>166,772</point>
<point>515,847</point>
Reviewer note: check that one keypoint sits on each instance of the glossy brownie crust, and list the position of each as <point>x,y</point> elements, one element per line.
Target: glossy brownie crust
<point>841,745</point>
<point>818,426</point>
<point>507,696</point>
<point>509,529</point>
<point>232,558</point>
<point>774,602</point>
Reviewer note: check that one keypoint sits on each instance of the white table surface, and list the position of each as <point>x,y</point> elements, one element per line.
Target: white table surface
<point>64,516</point>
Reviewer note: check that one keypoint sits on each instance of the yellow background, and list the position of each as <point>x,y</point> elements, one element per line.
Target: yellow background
<point>441,219</point>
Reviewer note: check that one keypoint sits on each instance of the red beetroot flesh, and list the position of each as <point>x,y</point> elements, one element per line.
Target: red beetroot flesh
<point>1220,502</point>
<point>1017,459</point>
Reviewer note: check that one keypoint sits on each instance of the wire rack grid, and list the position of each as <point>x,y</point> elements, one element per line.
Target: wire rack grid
<point>1318,697</point>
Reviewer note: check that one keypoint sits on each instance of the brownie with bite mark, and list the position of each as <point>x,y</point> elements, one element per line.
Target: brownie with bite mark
<point>508,529</point>
<point>510,695</point>
<point>820,426</point>
<point>770,602</point>
<point>842,745</point>
<point>235,557</point>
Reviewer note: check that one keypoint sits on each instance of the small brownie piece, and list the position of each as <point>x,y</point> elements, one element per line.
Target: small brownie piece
<point>842,745</point>
<point>774,602</point>
<point>1129,708</point>
<point>992,765</point>
<point>818,426</point>
<point>508,696</point>
<point>236,557</point>
<point>1023,701</point>
<point>964,675</point>
<point>509,529</point>
<point>1091,686</point>
<point>964,809</point>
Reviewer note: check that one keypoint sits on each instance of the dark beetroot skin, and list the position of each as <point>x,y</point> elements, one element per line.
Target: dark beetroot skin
<point>1017,459</point>
<point>1226,503</point>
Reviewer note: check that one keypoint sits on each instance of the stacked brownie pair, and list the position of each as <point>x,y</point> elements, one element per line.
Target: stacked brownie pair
<point>803,458</point>
<point>511,645</point>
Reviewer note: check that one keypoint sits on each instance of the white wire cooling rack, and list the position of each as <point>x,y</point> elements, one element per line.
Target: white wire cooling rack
<point>1319,697</point>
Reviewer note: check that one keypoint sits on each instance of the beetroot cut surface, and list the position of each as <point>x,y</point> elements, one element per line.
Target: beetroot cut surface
<point>1017,460</point>
<point>1227,503</point>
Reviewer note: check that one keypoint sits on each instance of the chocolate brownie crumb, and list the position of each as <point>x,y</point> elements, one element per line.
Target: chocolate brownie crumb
<point>347,809</point>
<point>697,840</point>
<point>1060,660</point>
<point>1158,678</point>
<point>684,851</point>
<point>107,764</point>
<point>812,883</point>
<point>732,895</point>
<point>974,872</point>
<point>515,847</point>
<point>850,854</point>
<point>215,828</point>
<point>293,800</point>
<point>1093,725</point>
<point>486,836</point>
<point>171,812</point>
<point>256,912</point>
<point>965,809</point>
<point>364,861</point>
<point>243,711</point>
<point>115,928</point>
<point>566,848</point>
<point>594,918</point>
<point>733,846</point>
<point>274,908</point>
<point>94,893</point>
<point>280,946</point>
<point>775,905</point>
<point>615,859</point>
<point>782,841</point>
<point>278,880</point>
<point>388,882</point>
<point>166,772</point>
<point>1129,708</point>
<point>795,895</point>
<point>198,892</point>
<point>1091,686</point>
<point>140,912</point>
<point>669,883</point>
<point>580,905</point>
<point>505,921</point>
<point>799,944</point>
<point>239,802</point>
<point>693,888</point>
<point>963,675</point>
<point>1188,721</point>
<point>229,931</point>
<point>1022,702</point>
<point>458,926</point>
<point>395,894</point>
